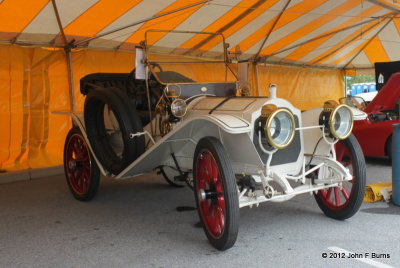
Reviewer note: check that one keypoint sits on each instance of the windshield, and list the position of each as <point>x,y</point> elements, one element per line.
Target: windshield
<point>187,57</point>
<point>356,102</point>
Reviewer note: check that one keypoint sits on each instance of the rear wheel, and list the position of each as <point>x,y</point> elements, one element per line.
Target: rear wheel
<point>343,202</point>
<point>169,173</point>
<point>81,170</point>
<point>216,193</point>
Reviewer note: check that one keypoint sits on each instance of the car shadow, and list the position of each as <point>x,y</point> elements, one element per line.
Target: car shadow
<point>391,209</point>
<point>384,161</point>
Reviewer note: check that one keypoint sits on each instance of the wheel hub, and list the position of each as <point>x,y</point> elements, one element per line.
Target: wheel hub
<point>74,164</point>
<point>71,164</point>
<point>78,164</point>
<point>207,194</point>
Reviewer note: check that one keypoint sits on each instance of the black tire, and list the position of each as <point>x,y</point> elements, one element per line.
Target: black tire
<point>220,229</point>
<point>81,170</point>
<point>349,153</point>
<point>114,149</point>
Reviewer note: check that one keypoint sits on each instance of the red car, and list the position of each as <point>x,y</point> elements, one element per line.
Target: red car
<point>375,132</point>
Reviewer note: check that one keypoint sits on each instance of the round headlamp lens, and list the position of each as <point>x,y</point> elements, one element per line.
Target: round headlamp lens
<point>280,128</point>
<point>178,108</point>
<point>341,122</point>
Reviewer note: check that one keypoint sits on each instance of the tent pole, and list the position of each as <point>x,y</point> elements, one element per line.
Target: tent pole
<point>70,80</point>
<point>138,22</point>
<point>59,21</point>
<point>272,29</point>
<point>329,34</point>
<point>346,44</point>
<point>367,43</point>
<point>384,5</point>
<point>257,78</point>
<point>68,55</point>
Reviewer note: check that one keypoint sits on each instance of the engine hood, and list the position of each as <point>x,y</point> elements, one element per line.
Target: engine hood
<point>224,104</point>
<point>387,97</point>
<point>239,106</point>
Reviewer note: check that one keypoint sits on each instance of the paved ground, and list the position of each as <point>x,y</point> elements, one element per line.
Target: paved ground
<point>134,223</point>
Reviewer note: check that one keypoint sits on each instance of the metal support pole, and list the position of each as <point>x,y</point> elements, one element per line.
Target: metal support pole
<point>329,34</point>
<point>354,39</point>
<point>68,55</point>
<point>83,42</point>
<point>272,29</point>
<point>396,164</point>
<point>257,78</point>
<point>367,43</point>
<point>71,80</point>
<point>379,3</point>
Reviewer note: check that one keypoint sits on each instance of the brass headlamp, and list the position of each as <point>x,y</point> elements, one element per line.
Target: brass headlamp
<point>279,127</point>
<point>337,119</point>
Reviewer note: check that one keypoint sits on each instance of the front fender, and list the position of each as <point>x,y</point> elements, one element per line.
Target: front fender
<point>232,131</point>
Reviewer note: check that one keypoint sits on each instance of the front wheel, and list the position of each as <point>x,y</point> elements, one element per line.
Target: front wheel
<point>343,202</point>
<point>216,193</point>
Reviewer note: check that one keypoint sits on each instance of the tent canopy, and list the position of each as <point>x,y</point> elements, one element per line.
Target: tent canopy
<point>340,34</point>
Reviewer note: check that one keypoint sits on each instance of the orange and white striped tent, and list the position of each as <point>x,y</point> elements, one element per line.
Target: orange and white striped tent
<point>338,34</point>
<point>46,46</point>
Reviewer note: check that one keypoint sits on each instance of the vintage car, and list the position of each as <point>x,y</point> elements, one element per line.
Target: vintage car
<point>232,149</point>
<point>375,132</point>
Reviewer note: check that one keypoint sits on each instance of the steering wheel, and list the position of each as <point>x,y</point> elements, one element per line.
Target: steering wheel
<point>134,87</point>
<point>156,65</point>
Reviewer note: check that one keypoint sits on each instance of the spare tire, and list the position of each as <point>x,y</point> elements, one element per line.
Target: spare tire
<point>110,118</point>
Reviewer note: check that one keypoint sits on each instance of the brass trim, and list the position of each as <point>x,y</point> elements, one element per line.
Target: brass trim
<point>331,120</point>
<point>266,110</point>
<point>171,93</point>
<point>330,105</point>
<point>166,127</point>
<point>268,125</point>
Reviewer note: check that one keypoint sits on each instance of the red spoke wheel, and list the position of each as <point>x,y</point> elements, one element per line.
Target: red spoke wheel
<point>216,193</point>
<point>81,170</point>
<point>343,202</point>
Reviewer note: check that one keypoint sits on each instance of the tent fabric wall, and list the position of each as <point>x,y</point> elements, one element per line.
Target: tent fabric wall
<point>334,34</point>
<point>13,83</point>
<point>305,88</point>
<point>34,82</point>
